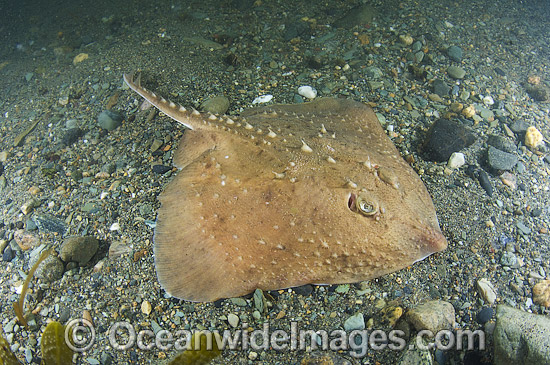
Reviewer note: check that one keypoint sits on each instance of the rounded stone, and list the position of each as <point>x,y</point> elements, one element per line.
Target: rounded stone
<point>484,315</point>
<point>50,270</point>
<point>79,249</point>
<point>216,105</point>
<point>455,53</point>
<point>109,120</point>
<point>456,72</point>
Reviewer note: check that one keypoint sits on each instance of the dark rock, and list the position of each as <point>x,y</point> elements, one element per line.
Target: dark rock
<point>109,120</point>
<point>47,223</point>
<point>1,168</point>
<point>106,359</point>
<point>454,53</point>
<point>72,135</point>
<point>8,254</point>
<point>500,160</point>
<point>536,212</point>
<point>519,126</point>
<point>501,143</point>
<point>538,92</point>
<point>445,137</point>
<point>485,183</point>
<point>161,169</point>
<point>500,71</point>
<point>441,88</point>
<point>304,290</point>
<point>79,249</point>
<point>484,315</point>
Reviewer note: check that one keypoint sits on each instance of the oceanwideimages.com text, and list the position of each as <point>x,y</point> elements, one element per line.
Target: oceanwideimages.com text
<point>80,335</point>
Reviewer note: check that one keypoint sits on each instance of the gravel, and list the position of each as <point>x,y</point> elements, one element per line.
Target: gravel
<point>87,178</point>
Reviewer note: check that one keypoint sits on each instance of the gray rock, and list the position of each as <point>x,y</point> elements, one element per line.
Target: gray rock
<point>355,322</point>
<point>454,53</point>
<point>509,259</point>
<point>216,105</point>
<point>521,337</point>
<point>359,15</point>
<point>501,143</point>
<point>374,73</point>
<point>456,72</point>
<point>500,160</point>
<point>519,126</point>
<point>109,120</point>
<point>79,249</point>
<point>441,88</point>
<point>523,228</point>
<point>50,270</point>
<point>434,315</point>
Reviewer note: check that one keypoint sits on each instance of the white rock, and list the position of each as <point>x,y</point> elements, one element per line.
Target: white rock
<point>307,92</point>
<point>263,99</point>
<point>487,290</point>
<point>456,160</point>
<point>488,100</point>
<point>115,226</point>
<point>233,320</point>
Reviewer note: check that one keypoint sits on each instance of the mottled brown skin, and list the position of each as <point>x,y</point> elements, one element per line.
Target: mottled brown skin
<point>267,200</point>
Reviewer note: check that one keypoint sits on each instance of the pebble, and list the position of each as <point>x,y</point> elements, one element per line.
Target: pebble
<point>456,72</point>
<point>520,337</point>
<point>25,240</point>
<point>374,73</point>
<point>456,160</point>
<point>233,320</point>
<point>500,160</point>
<point>146,307</point>
<point>445,137</point>
<point>8,254</point>
<point>406,39</point>
<point>262,99</point>
<point>455,53</point>
<point>501,143</point>
<point>304,290</point>
<point>357,16</point>
<point>541,293</point>
<point>216,105</point>
<point>79,58</point>
<point>109,120</point>
<point>307,92</point>
<point>355,322</point>
<point>79,249</point>
<point>71,136</point>
<point>50,270</point>
<point>487,291</point>
<point>433,315</point>
<point>509,259</point>
<point>509,179</point>
<point>533,138</point>
<point>161,169</point>
<point>484,315</point>
<point>519,126</point>
<point>441,88</point>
